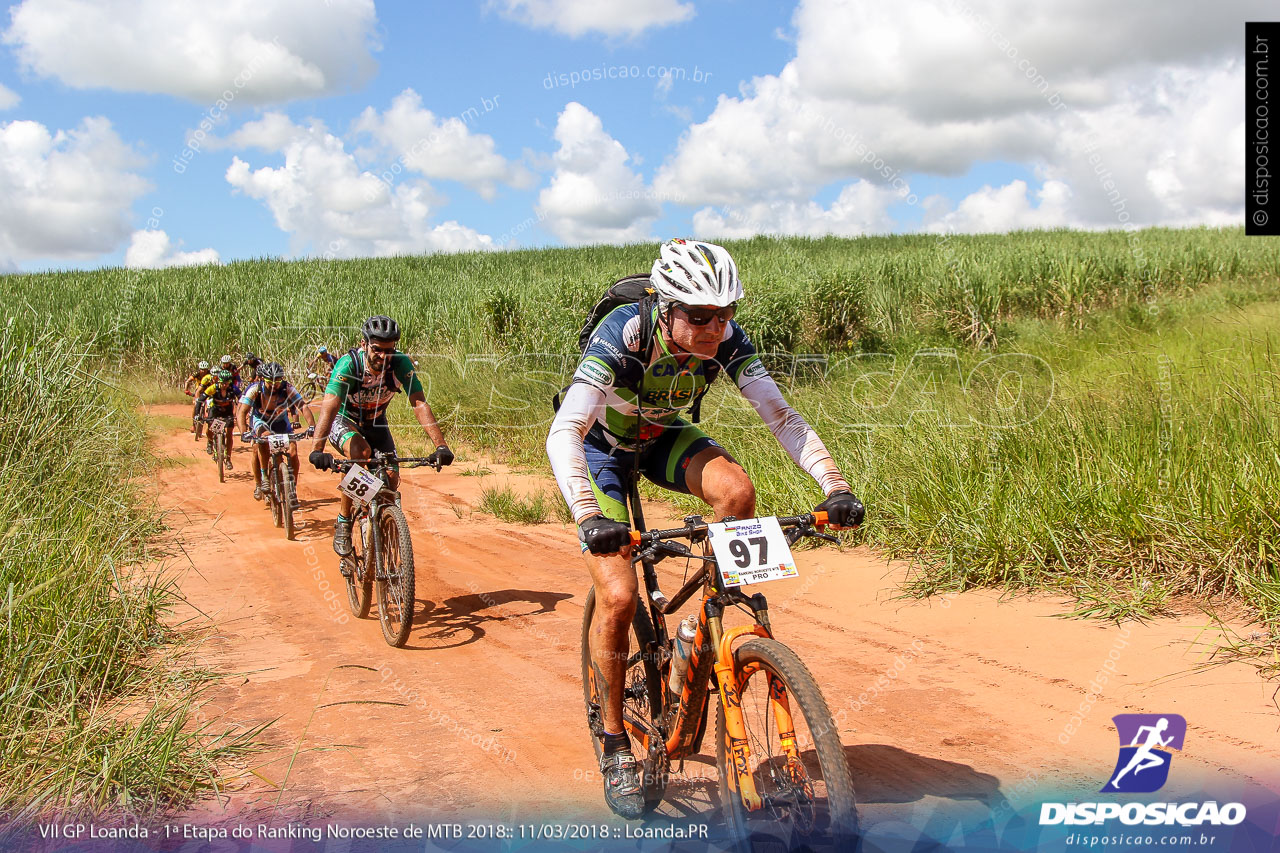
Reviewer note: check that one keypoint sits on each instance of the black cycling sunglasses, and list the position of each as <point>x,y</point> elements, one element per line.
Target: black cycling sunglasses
<point>703,316</point>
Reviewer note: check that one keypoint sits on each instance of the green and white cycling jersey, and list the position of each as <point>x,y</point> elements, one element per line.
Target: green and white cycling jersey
<point>364,393</point>
<point>600,405</point>
<point>612,362</point>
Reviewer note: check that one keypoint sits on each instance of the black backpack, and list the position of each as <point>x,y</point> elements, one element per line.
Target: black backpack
<point>633,289</point>
<point>624,291</point>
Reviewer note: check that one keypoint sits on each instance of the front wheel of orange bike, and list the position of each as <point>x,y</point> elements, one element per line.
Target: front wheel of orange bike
<point>801,775</point>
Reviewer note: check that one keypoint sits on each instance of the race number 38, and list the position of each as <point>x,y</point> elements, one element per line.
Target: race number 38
<point>360,485</point>
<point>751,551</point>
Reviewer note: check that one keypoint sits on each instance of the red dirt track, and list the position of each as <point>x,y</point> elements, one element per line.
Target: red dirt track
<point>481,715</point>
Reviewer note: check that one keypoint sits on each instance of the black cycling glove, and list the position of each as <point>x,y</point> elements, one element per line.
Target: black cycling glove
<point>843,509</point>
<point>604,535</point>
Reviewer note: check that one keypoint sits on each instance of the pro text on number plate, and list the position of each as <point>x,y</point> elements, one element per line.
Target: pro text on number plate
<point>360,485</point>
<point>754,550</point>
<point>278,442</point>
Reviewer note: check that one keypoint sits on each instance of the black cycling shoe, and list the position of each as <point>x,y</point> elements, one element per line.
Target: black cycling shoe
<point>622,789</point>
<point>342,538</point>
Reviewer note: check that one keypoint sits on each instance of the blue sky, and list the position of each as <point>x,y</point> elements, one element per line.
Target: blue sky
<point>829,116</point>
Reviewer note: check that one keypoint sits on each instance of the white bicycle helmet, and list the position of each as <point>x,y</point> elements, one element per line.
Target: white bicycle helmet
<point>204,365</point>
<point>226,359</point>
<point>696,273</point>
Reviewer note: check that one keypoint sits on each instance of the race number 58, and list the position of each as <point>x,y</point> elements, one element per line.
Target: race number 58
<point>360,484</point>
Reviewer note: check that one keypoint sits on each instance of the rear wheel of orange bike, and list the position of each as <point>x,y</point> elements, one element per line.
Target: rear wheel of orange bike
<point>801,774</point>
<point>641,698</point>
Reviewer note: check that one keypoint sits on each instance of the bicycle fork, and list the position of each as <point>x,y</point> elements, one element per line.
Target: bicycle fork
<point>728,681</point>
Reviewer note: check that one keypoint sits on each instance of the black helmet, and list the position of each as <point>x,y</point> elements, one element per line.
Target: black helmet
<point>382,328</point>
<point>250,358</point>
<point>271,372</point>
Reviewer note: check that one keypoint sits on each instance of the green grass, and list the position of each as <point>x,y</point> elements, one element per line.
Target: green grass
<point>1130,464</point>
<point>805,295</point>
<point>508,505</point>
<point>96,706</point>
<point>1077,497</point>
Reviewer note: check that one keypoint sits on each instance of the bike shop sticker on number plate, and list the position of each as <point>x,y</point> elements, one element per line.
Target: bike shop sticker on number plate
<point>752,551</point>
<point>278,442</point>
<point>360,484</point>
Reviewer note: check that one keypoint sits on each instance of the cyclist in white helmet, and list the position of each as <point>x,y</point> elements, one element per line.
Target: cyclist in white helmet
<point>630,398</point>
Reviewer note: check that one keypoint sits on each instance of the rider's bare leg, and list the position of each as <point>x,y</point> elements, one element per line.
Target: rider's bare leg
<point>718,479</point>
<point>616,585</point>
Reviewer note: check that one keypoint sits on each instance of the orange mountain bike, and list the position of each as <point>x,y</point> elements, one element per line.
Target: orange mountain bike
<point>784,778</point>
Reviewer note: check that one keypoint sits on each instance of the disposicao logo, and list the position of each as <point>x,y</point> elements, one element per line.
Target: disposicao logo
<point>1145,744</point>
<point>1146,741</point>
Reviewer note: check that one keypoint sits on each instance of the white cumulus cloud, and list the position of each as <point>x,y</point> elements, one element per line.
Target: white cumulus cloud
<point>66,193</point>
<point>1007,208</point>
<point>594,196</point>
<point>151,249</point>
<point>329,204</point>
<point>861,208</point>
<point>440,147</point>
<point>8,98</point>
<point>261,51</point>
<point>610,17</point>
<point>882,91</point>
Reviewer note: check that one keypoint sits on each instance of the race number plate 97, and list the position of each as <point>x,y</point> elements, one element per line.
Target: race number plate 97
<point>754,550</point>
<point>278,442</point>
<point>360,485</point>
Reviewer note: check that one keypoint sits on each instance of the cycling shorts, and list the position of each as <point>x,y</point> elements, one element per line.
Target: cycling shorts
<point>377,434</point>
<point>664,462</point>
<point>280,426</point>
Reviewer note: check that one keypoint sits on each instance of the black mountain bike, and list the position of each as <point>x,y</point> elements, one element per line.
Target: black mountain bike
<point>381,548</point>
<point>281,490</point>
<point>218,427</point>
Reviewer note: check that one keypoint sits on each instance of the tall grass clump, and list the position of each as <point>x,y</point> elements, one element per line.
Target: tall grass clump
<point>1124,468</point>
<point>89,718</point>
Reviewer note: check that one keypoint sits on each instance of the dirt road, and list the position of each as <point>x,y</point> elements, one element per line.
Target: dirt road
<point>945,706</point>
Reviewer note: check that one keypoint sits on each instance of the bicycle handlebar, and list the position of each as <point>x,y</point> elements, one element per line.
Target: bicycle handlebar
<point>383,460</point>
<point>266,439</point>
<point>814,519</point>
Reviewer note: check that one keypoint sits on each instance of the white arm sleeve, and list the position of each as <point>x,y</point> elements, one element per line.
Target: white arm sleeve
<point>581,405</point>
<point>793,432</point>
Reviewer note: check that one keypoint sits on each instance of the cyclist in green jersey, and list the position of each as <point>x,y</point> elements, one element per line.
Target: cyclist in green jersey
<point>353,413</point>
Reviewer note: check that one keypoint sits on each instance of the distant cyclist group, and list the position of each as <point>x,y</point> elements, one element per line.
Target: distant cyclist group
<point>649,353</point>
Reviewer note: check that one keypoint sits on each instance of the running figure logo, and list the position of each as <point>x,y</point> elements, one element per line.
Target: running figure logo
<point>1145,744</point>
